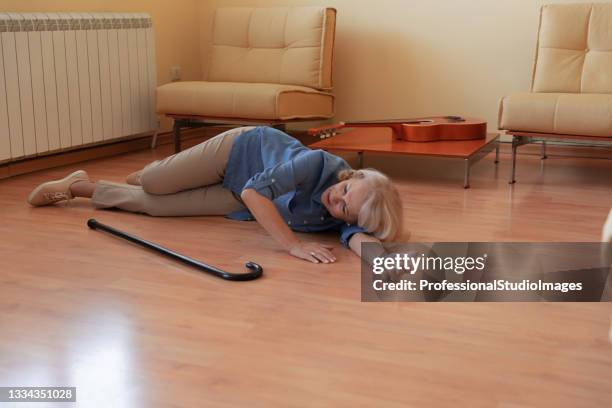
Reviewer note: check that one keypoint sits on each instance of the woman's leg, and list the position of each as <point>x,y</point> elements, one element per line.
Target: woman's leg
<point>201,165</point>
<point>84,188</point>
<point>209,200</point>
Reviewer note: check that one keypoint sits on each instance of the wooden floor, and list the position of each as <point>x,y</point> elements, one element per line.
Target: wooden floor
<point>131,329</point>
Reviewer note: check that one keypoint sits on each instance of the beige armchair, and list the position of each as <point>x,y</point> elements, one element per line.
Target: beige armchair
<point>267,65</point>
<point>571,88</point>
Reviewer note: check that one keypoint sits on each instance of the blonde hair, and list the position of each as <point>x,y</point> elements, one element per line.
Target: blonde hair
<point>381,213</point>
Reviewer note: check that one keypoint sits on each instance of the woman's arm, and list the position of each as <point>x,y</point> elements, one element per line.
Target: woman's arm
<point>360,237</point>
<point>267,215</point>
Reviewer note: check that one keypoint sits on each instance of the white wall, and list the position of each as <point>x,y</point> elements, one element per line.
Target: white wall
<point>393,58</point>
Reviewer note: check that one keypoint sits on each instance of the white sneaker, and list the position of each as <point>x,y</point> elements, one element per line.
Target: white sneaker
<point>58,190</point>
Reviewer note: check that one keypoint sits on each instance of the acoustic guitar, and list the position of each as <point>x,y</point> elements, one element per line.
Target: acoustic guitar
<point>418,129</point>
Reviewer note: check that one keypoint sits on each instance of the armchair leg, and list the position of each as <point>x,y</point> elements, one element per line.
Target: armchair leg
<point>176,131</point>
<point>516,142</point>
<point>154,139</point>
<point>512,174</point>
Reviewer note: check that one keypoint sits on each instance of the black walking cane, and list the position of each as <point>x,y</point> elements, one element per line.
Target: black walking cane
<point>255,271</point>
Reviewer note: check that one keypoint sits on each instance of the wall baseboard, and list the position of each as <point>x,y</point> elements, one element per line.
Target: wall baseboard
<point>48,161</point>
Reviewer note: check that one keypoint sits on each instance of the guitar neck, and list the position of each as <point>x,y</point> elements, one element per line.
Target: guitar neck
<point>395,124</point>
<point>388,122</point>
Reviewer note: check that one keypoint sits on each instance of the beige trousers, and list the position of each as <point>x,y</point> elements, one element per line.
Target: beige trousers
<point>185,184</point>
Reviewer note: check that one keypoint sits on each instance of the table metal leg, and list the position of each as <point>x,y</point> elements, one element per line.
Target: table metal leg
<point>360,160</point>
<point>544,156</point>
<point>466,175</point>
<point>497,153</point>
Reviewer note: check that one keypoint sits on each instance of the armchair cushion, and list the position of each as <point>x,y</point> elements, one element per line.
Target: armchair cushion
<point>559,113</point>
<point>257,101</point>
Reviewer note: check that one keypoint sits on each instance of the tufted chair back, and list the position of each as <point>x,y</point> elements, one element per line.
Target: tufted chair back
<point>574,51</point>
<point>280,45</point>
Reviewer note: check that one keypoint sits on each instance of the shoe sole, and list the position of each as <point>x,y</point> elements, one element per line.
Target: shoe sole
<point>43,185</point>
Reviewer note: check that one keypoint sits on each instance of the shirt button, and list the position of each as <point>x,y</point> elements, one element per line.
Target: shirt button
<point>322,218</point>
<point>289,222</point>
<point>273,180</point>
<point>305,222</point>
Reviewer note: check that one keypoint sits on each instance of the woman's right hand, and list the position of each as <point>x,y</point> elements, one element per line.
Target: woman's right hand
<point>267,215</point>
<point>313,252</point>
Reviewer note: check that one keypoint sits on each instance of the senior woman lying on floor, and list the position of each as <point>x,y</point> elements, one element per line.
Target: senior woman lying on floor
<point>257,172</point>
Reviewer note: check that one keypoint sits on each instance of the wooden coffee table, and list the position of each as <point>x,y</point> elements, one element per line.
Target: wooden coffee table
<point>380,140</point>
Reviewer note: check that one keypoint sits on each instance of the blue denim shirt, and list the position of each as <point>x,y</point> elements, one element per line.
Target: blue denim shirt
<point>288,173</point>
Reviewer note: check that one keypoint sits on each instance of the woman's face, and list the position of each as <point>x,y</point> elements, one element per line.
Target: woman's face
<point>344,199</point>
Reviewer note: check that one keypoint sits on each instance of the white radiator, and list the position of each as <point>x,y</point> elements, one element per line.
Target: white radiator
<point>73,79</point>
